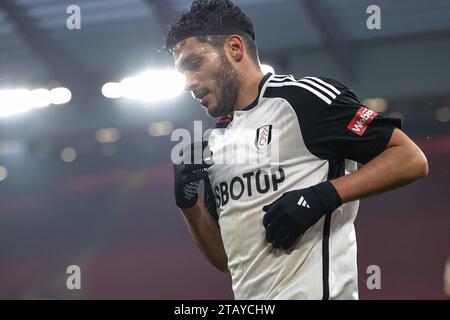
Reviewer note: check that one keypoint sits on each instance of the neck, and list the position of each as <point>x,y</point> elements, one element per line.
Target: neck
<point>249,89</point>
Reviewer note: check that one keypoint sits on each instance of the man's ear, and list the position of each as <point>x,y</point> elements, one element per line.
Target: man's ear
<point>235,46</point>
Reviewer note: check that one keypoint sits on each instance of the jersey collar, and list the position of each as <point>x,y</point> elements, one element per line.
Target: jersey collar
<point>261,89</point>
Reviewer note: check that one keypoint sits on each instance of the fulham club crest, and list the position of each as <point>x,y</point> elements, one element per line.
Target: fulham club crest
<point>263,136</point>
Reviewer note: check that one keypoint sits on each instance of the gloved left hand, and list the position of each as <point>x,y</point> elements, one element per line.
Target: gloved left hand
<point>189,172</point>
<point>296,211</point>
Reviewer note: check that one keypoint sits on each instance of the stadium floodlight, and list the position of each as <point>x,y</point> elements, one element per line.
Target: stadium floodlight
<point>443,114</point>
<point>376,104</point>
<point>60,95</point>
<point>107,135</point>
<point>39,98</point>
<point>149,86</point>
<point>112,90</point>
<point>158,129</point>
<point>14,101</point>
<point>68,154</point>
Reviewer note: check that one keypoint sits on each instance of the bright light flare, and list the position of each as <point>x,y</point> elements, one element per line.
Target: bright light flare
<point>14,101</point>
<point>150,86</point>
<point>60,95</point>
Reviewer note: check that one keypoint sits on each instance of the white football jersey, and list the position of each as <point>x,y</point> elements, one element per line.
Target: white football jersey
<point>296,134</point>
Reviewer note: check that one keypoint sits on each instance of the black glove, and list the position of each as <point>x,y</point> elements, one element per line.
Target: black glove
<point>189,173</point>
<point>296,211</point>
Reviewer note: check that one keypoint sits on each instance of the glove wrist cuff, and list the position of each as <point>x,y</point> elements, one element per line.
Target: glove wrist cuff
<point>186,204</point>
<point>328,195</point>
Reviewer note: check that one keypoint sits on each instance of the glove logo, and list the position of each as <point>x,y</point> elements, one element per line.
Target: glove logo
<point>263,136</point>
<point>302,202</point>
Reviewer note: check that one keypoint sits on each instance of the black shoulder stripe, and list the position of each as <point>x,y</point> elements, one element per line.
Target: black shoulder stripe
<point>296,93</point>
<point>323,90</point>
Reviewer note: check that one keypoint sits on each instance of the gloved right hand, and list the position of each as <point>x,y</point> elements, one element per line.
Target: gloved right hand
<point>189,173</point>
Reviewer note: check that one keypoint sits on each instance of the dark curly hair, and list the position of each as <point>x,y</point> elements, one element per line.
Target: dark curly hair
<point>212,21</point>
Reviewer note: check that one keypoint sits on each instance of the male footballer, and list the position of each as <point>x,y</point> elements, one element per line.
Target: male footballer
<point>287,232</point>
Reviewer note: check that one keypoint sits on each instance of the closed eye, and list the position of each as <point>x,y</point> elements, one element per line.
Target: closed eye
<point>195,64</point>
<point>191,63</point>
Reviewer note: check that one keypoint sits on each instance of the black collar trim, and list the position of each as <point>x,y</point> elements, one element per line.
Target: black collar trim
<point>260,86</point>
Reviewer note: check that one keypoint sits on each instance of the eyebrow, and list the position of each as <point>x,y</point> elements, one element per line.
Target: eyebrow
<point>182,65</point>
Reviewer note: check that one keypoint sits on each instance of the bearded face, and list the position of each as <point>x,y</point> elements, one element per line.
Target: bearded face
<point>210,76</point>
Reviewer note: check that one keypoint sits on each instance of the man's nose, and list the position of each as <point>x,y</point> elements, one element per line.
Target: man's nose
<point>191,82</point>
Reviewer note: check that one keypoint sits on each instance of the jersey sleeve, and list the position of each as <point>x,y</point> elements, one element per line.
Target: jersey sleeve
<point>336,126</point>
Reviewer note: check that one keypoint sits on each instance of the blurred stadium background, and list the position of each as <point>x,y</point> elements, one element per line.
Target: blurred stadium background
<point>86,180</point>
